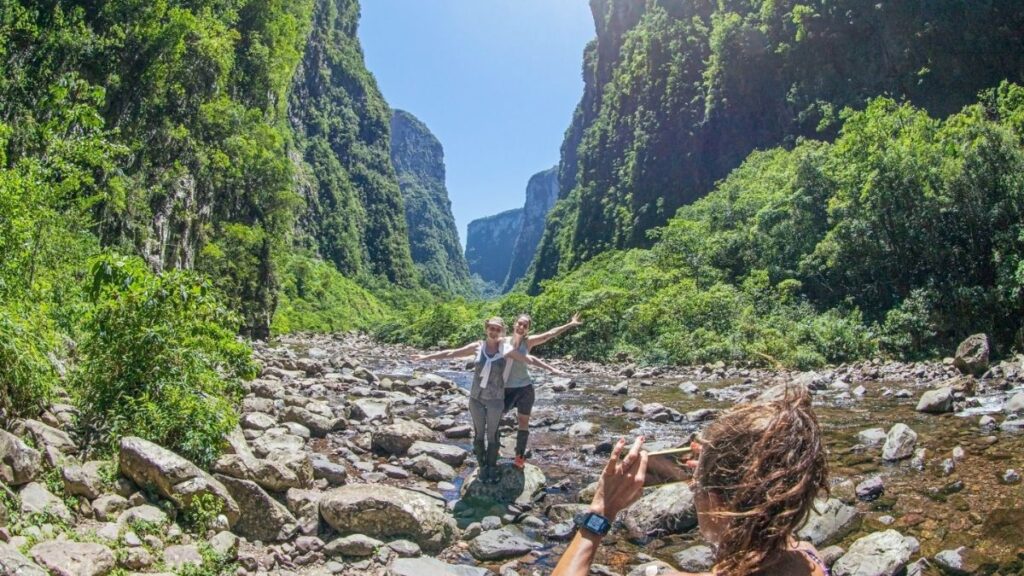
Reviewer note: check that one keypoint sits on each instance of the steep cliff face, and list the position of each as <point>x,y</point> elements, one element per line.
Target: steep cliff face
<point>541,194</point>
<point>355,214</point>
<point>679,92</point>
<point>433,238</point>
<point>489,243</point>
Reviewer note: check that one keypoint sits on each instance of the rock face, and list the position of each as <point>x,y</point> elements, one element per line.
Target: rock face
<point>877,554</point>
<point>171,476</point>
<point>262,517</point>
<point>972,355</point>
<point>386,513</point>
<point>433,237</point>
<point>488,245</point>
<point>541,194</point>
<point>19,463</point>
<point>668,508</point>
<point>828,522</point>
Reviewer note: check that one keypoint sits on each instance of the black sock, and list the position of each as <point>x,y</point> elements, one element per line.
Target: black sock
<point>522,436</point>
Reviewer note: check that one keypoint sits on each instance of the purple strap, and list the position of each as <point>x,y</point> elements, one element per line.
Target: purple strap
<point>816,560</point>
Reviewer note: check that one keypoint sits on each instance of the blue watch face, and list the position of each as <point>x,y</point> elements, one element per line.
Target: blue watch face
<point>596,524</point>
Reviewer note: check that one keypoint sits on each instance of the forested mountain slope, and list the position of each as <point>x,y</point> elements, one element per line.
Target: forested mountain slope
<point>418,158</point>
<point>679,92</point>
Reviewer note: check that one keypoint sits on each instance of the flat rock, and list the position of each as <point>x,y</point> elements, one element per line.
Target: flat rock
<point>500,545</point>
<point>871,437</point>
<point>396,438</point>
<point>514,486</point>
<point>695,559</point>
<point>426,566</point>
<point>270,475</point>
<point>447,453</point>
<point>46,435</point>
<point>14,563</point>
<point>357,545</point>
<point>431,468</point>
<point>36,499</point>
<point>66,558</point>
<point>178,555</point>
<point>370,409</point>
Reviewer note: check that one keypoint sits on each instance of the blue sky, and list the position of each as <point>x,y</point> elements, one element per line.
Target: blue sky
<point>495,80</point>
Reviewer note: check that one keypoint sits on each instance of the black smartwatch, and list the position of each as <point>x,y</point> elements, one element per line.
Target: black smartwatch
<point>594,523</point>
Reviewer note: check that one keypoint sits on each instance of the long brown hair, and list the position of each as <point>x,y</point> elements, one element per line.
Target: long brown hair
<point>516,339</point>
<point>766,462</point>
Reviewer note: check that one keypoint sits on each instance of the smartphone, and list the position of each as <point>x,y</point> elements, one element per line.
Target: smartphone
<point>668,466</point>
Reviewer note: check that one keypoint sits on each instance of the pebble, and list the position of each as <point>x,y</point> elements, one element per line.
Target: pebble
<point>1011,477</point>
<point>870,489</point>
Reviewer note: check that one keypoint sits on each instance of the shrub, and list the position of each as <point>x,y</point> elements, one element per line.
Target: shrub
<point>160,360</point>
<point>27,377</point>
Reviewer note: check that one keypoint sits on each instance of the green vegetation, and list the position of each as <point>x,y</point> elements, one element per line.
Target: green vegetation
<point>901,237</point>
<point>160,360</point>
<point>679,92</point>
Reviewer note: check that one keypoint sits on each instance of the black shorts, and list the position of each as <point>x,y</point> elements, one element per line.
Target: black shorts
<point>521,397</point>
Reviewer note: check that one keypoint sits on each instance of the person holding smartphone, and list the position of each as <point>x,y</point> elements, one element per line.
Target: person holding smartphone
<point>756,473</point>
<point>519,390</point>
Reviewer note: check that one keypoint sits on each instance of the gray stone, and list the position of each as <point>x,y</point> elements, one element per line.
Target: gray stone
<point>870,489</point>
<point>405,548</point>
<point>1014,425</point>
<point>871,436</point>
<point>334,474</point>
<point>36,499</point>
<point>305,506</point>
<point>107,507</point>
<point>257,421</point>
<point>318,424</point>
<point>396,438</point>
<point>665,509</point>
<point>277,440</point>
<point>972,355</point>
<point>899,442</point>
<point>936,401</point>
<point>85,480</point>
<point>271,475</point>
<point>44,435</point>
<point>431,468</point>
<point>514,486</point>
<point>460,431</point>
<point>651,568</point>
<point>370,409</point>
<point>136,558</point>
<point>172,476</point>
<point>177,556</point>
<point>358,545</point>
<point>695,559</point>
<point>14,563</point>
<point>66,558</point>
<point>447,453</point>
<point>386,512</point>
<point>262,518</point>
<point>1015,405</point>
<point>829,521</point>
<point>19,462</point>
<point>583,429</point>
<point>145,513</point>
<point>226,544</point>
<point>425,566</point>
<point>952,562</point>
<point>877,554</point>
<point>500,545</point>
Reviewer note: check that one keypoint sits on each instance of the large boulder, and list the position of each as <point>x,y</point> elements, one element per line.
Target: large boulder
<point>899,443</point>
<point>172,476</point>
<point>972,355</point>
<point>828,522</point>
<point>877,554</point>
<point>386,513</point>
<point>46,435</point>
<point>514,486</point>
<point>396,438</point>
<point>262,518</point>
<point>14,563</point>
<point>665,509</point>
<point>936,401</point>
<point>65,558</point>
<point>19,462</point>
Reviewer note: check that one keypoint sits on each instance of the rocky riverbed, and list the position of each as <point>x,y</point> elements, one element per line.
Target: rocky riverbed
<point>350,459</point>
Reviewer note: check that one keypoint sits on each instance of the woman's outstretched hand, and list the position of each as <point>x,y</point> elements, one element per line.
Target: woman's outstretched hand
<point>622,481</point>
<point>575,320</point>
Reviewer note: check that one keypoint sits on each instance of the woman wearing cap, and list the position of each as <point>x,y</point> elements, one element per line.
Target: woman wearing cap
<point>487,395</point>
<point>519,391</point>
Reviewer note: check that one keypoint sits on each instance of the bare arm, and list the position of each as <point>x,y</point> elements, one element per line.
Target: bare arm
<point>621,484</point>
<point>543,337</point>
<point>467,350</point>
<point>534,361</point>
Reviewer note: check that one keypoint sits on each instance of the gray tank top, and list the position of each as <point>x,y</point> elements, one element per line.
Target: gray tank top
<point>518,375</point>
<point>495,389</point>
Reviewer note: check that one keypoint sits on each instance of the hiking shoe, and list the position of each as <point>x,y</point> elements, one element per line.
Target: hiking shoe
<point>520,461</point>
